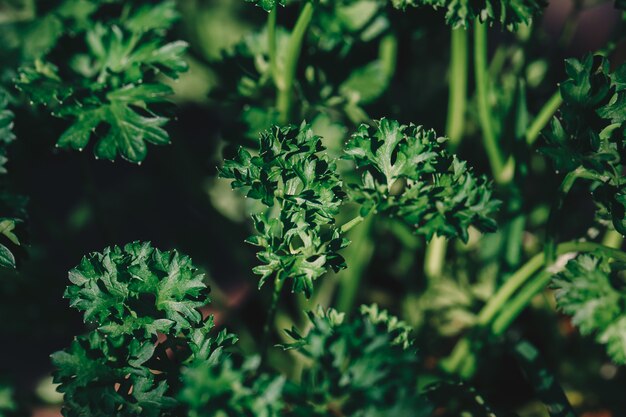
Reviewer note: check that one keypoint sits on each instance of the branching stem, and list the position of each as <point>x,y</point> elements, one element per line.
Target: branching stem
<point>543,117</point>
<point>500,301</point>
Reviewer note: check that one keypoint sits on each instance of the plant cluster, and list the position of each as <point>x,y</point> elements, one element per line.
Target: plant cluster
<point>319,195</point>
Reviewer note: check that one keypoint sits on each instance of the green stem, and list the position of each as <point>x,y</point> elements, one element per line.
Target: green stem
<point>552,225</point>
<point>349,225</point>
<point>457,100</point>
<point>457,92</point>
<point>613,239</point>
<point>496,160</point>
<point>388,54</point>
<point>271,43</point>
<point>358,256</point>
<point>543,117</point>
<point>499,301</point>
<point>515,306</point>
<point>271,315</point>
<point>285,93</point>
<point>434,258</point>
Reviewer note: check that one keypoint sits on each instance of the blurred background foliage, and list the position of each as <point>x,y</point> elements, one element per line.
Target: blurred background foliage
<point>361,60</point>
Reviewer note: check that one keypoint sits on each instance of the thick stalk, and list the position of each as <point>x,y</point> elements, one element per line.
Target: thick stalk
<point>457,92</point>
<point>388,54</point>
<point>500,301</point>
<point>613,239</point>
<point>285,89</point>
<point>481,72</point>
<point>434,258</point>
<point>271,43</point>
<point>543,117</point>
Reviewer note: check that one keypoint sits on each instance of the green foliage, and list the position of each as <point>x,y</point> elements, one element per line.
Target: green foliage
<point>292,172</point>
<point>143,304</point>
<point>7,224</point>
<point>337,30</point>
<point>360,367</point>
<point>220,386</point>
<point>267,5</point>
<point>407,173</point>
<point>101,72</point>
<point>588,134</point>
<point>7,402</point>
<point>463,13</point>
<point>590,289</point>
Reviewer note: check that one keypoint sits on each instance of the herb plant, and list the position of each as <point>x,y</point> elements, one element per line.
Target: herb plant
<point>399,271</point>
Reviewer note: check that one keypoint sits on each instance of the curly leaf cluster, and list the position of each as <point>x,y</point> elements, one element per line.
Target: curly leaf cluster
<point>462,13</point>
<point>408,174</point>
<point>143,304</point>
<point>588,135</point>
<point>292,172</point>
<point>223,386</point>
<point>106,81</point>
<point>360,367</point>
<point>590,290</point>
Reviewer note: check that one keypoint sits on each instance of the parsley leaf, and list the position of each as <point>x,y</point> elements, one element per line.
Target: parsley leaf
<point>408,174</point>
<point>221,385</point>
<point>509,13</point>
<point>587,135</point>
<point>143,304</point>
<point>292,172</point>
<point>362,367</point>
<point>108,286</point>
<point>589,289</point>
<point>109,86</point>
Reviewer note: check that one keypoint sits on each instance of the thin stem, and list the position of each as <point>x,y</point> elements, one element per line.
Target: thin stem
<point>349,225</point>
<point>271,43</point>
<point>455,125</point>
<point>457,92</point>
<point>496,160</point>
<point>515,306</point>
<point>543,117</point>
<point>285,93</point>
<point>271,315</point>
<point>358,256</point>
<point>497,303</point>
